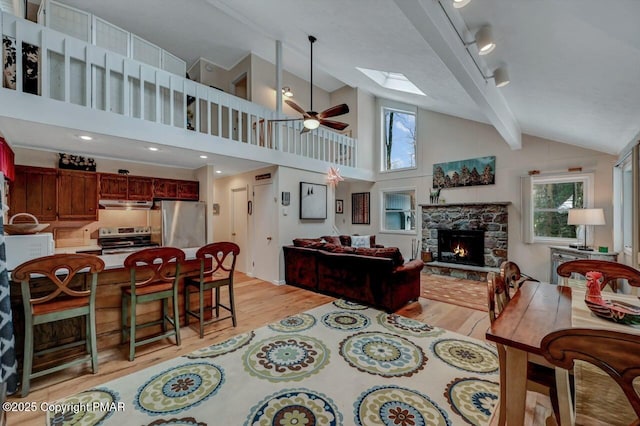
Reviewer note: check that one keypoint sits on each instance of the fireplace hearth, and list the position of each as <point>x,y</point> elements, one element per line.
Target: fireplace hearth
<point>465,247</point>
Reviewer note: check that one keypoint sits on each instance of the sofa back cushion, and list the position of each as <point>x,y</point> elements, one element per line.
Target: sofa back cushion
<point>392,253</point>
<point>333,239</point>
<point>308,242</point>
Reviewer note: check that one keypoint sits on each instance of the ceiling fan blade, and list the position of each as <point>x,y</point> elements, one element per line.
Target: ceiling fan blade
<point>296,107</point>
<point>337,125</point>
<point>304,130</point>
<point>334,111</point>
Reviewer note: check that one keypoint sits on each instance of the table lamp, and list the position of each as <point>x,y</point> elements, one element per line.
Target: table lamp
<point>586,217</point>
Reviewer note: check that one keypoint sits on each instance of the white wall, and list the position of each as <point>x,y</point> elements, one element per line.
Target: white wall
<point>444,138</point>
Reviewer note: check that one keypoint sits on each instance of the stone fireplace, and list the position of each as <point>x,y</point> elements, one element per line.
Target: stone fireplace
<point>480,227</point>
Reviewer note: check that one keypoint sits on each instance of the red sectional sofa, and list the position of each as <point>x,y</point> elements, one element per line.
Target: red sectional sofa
<point>373,276</point>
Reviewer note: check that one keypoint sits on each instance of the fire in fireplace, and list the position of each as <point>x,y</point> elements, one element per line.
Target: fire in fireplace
<point>461,246</point>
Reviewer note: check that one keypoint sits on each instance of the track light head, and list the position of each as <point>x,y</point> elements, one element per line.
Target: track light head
<point>500,76</point>
<point>460,3</point>
<point>484,40</point>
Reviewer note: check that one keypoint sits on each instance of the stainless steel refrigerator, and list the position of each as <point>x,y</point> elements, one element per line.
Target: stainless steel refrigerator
<point>179,224</point>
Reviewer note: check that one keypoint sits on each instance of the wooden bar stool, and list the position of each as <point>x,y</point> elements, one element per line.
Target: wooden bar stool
<point>155,273</point>
<point>63,302</point>
<point>214,274</point>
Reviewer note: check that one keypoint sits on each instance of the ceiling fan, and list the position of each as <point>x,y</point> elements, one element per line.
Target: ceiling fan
<point>314,119</point>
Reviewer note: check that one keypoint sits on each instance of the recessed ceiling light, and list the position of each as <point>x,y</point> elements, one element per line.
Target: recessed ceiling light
<point>153,148</point>
<point>86,138</point>
<point>218,171</point>
<point>203,156</point>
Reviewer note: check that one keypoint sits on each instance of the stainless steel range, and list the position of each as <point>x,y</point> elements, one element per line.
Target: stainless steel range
<point>124,239</point>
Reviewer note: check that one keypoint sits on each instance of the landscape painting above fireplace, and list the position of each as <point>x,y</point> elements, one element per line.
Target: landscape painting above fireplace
<point>471,172</point>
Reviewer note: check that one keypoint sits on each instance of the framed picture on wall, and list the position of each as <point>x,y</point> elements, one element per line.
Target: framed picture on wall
<point>360,208</point>
<point>339,206</point>
<point>313,201</point>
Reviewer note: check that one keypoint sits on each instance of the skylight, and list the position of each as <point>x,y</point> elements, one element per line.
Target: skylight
<point>392,80</point>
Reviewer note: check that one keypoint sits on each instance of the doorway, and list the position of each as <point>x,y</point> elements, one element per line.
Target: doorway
<point>265,241</point>
<point>239,222</point>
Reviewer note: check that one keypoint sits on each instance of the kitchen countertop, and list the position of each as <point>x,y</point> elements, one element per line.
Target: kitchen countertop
<point>116,261</point>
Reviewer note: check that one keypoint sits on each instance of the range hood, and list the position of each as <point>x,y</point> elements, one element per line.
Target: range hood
<point>125,204</point>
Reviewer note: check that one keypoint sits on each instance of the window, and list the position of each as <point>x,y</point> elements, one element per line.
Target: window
<point>548,204</point>
<point>399,139</point>
<point>399,210</point>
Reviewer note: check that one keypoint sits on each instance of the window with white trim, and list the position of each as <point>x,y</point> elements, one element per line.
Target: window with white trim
<point>547,200</point>
<point>399,210</point>
<point>398,139</point>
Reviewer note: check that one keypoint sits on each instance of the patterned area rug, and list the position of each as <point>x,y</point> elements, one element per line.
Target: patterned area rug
<point>458,291</point>
<point>338,364</point>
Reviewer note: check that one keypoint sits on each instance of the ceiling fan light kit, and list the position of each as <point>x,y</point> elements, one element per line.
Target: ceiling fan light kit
<point>460,3</point>
<point>286,91</point>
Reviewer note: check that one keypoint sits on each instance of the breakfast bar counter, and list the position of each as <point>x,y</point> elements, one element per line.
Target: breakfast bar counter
<point>108,307</point>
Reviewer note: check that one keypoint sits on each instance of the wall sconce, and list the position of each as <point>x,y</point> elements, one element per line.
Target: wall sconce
<point>484,40</point>
<point>500,76</point>
<point>286,91</point>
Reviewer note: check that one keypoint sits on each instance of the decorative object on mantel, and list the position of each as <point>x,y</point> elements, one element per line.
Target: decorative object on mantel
<point>434,196</point>
<point>76,162</point>
<point>575,169</point>
<point>616,311</point>
<point>534,172</point>
<point>471,172</point>
<point>123,171</point>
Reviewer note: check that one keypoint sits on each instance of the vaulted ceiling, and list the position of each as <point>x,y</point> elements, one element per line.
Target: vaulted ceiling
<point>574,64</point>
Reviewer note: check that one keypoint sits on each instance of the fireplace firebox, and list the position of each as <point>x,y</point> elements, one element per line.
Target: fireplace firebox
<point>461,246</point>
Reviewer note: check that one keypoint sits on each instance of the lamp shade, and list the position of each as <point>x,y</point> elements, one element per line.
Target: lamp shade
<point>585,217</point>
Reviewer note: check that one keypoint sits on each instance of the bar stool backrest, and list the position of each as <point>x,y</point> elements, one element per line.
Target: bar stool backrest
<point>218,254</point>
<point>60,269</point>
<point>154,265</point>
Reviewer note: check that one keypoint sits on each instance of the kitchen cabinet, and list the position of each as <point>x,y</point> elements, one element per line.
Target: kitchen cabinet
<point>189,190</point>
<point>173,189</point>
<point>34,191</point>
<point>113,187</point>
<point>77,195</point>
<point>140,188</point>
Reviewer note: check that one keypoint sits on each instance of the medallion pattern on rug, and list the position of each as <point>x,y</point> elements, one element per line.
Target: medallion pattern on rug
<point>338,364</point>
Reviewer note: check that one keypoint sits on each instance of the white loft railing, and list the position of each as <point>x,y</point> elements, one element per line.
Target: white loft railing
<point>72,71</point>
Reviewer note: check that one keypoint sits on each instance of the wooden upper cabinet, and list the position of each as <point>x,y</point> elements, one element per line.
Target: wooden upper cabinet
<point>189,190</point>
<point>113,187</point>
<point>140,188</point>
<point>33,191</point>
<point>174,189</point>
<point>77,195</point>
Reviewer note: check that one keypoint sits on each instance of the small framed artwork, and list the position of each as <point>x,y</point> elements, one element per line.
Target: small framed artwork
<point>360,208</point>
<point>313,201</point>
<point>339,206</point>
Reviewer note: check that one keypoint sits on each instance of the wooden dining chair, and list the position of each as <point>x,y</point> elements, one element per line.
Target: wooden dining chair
<point>66,298</point>
<point>155,273</point>
<point>217,265</point>
<point>540,378</point>
<point>614,353</point>
<point>611,271</point>
<point>512,276</point>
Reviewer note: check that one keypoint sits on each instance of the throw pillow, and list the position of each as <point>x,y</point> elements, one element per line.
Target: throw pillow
<point>333,239</point>
<point>306,242</point>
<point>361,241</point>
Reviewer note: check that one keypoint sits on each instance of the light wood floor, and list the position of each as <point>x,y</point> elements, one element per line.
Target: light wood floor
<point>258,303</point>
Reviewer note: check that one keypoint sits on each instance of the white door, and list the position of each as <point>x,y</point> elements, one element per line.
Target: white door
<point>265,245</point>
<point>238,227</point>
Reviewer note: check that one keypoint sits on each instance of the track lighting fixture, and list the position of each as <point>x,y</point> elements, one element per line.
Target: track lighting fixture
<point>500,77</point>
<point>484,40</point>
<point>460,3</point>
<point>286,91</point>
